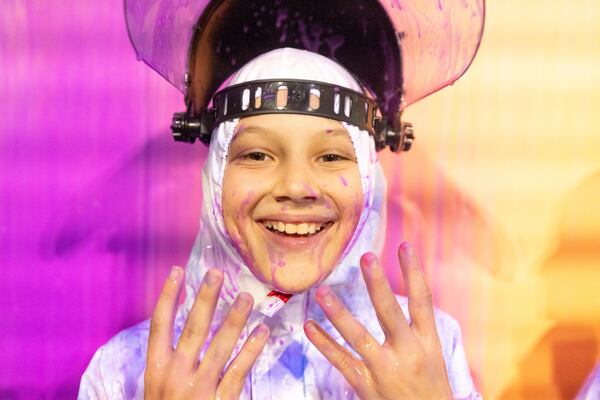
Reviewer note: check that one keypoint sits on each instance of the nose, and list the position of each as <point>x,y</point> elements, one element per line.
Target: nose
<point>296,182</point>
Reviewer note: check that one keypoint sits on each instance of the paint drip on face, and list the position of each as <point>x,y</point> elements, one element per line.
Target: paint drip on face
<point>309,189</point>
<point>358,207</point>
<point>277,261</point>
<point>236,238</point>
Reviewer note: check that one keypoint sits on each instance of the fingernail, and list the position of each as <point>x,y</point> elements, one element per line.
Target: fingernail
<point>407,249</point>
<point>212,278</point>
<point>260,332</point>
<point>175,273</point>
<point>310,327</point>
<point>242,301</point>
<point>326,295</point>
<point>369,259</point>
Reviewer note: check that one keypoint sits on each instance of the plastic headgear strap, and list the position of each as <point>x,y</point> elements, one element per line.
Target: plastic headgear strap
<point>292,97</point>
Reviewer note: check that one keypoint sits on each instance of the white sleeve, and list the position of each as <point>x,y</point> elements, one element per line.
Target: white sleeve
<point>92,383</point>
<point>116,371</point>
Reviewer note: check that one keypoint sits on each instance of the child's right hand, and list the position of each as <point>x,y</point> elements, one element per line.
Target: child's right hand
<point>176,373</point>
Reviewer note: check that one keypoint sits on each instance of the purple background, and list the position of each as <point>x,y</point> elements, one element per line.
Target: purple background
<point>96,200</point>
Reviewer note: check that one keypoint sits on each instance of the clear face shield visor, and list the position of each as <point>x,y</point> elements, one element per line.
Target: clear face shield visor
<point>400,50</point>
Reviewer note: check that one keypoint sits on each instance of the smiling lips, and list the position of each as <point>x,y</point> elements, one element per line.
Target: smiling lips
<point>298,229</point>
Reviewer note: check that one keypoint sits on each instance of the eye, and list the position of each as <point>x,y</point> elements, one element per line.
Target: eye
<point>254,156</point>
<point>332,157</point>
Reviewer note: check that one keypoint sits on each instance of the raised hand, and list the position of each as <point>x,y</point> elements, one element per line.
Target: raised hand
<point>176,373</point>
<point>409,364</point>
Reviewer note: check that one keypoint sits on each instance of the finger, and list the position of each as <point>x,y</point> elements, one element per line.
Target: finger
<point>351,368</point>
<point>198,322</point>
<point>389,313</point>
<point>222,344</point>
<point>420,302</point>
<point>235,376</point>
<point>355,334</point>
<point>161,324</point>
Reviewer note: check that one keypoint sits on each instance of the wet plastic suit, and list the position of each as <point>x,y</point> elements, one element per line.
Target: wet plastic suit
<point>290,366</point>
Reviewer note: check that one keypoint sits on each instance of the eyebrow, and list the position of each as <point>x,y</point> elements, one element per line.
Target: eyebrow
<point>246,129</point>
<point>335,132</point>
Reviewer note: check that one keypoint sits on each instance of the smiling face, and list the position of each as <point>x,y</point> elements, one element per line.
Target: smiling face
<point>291,197</point>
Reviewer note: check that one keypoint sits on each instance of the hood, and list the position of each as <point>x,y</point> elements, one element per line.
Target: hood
<point>214,248</point>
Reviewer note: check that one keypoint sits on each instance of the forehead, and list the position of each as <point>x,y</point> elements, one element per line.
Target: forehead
<point>291,128</point>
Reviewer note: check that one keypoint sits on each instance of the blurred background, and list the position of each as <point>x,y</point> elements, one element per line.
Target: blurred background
<point>500,195</point>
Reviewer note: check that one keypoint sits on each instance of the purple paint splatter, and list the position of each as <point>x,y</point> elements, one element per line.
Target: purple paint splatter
<point>310,190</point>
<point>334,43</point>
<point>240,127</point>
<point>277,259</point>
<point>344,182</point>
<point>247,200</point>
<point>282,16</point>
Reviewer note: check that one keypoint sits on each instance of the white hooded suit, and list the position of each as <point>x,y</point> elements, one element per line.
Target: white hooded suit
<point>290,366</point>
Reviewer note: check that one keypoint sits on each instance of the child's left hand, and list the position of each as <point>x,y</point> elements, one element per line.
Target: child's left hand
<point>409,364</point>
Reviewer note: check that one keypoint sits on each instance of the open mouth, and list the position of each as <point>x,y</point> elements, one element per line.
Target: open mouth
<point>296,230</point>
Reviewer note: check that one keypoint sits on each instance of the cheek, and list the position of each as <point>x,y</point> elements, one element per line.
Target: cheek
<point>349,196</point>
<point>351,211</point>
<point>237,210</point>
<point>237,201</point>
<point>237,194</point>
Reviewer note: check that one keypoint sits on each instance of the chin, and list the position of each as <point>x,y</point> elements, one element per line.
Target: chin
<point>295,279</point>
<point>293,287</point>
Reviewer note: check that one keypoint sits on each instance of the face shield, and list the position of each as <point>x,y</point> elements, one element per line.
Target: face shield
<point>401,51</point>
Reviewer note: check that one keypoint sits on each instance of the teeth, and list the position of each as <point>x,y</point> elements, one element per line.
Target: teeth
<point>299,229</point>
<point>302,229</point>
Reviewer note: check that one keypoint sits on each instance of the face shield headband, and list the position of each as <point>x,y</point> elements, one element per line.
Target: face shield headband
<point>292,97</point>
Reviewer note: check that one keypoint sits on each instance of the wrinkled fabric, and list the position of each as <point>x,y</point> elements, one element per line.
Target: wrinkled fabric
<point>289,366</point>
